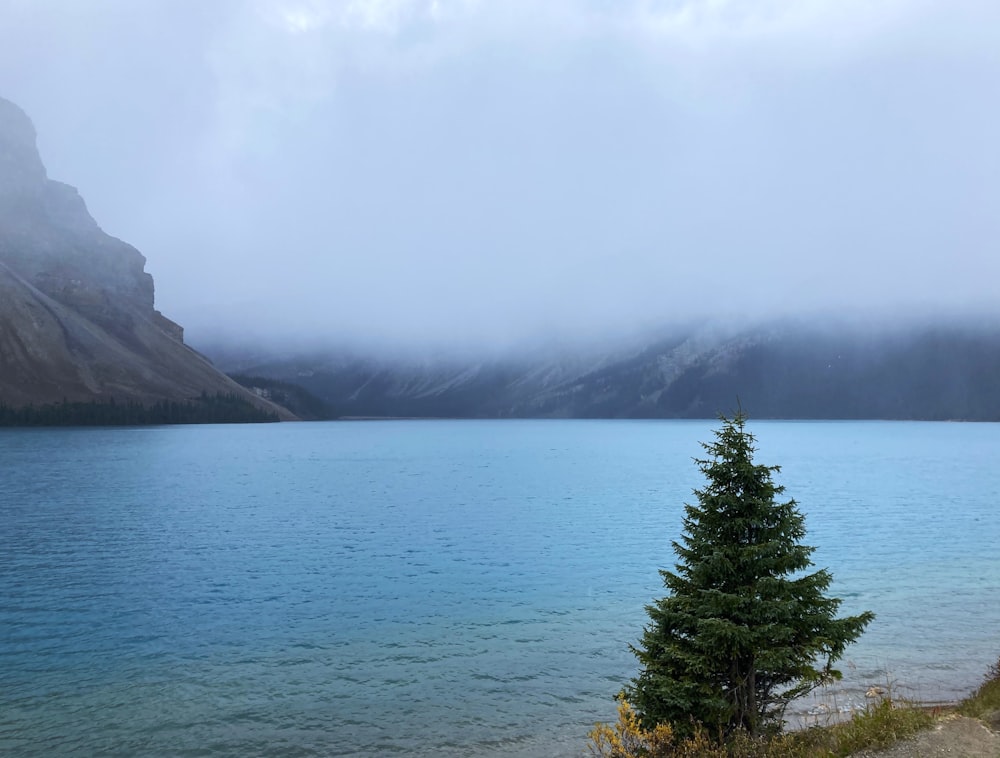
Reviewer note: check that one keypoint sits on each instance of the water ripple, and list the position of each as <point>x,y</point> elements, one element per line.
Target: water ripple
<point>438,588</point>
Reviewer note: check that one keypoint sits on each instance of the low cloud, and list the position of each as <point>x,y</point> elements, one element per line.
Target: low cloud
<point>487,172</point>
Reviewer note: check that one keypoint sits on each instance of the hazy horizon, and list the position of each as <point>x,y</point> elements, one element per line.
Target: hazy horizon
<point>453,172</point>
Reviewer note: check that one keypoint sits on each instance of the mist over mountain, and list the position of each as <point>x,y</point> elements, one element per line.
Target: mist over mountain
<point>77,321</point>
<point>941,369</point>
<point>413,173</point>
<point>450,189</point>
<point>79,324</point>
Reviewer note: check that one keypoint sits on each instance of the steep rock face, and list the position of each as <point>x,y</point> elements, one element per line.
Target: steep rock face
<point>77,320</point>
<point>48,237</point>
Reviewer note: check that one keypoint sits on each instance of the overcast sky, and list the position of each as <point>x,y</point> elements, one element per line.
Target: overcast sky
<point>492,170</point>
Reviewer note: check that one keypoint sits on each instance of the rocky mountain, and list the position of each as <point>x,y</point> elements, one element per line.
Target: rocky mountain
<point>944,369</point>
<point>78,325</point>
<point>77,320</point>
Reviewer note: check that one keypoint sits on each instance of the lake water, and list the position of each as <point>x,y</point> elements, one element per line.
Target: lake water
<point>457,588</point>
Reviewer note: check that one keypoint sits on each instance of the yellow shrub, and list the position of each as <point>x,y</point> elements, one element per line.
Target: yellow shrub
<point>628,739</point>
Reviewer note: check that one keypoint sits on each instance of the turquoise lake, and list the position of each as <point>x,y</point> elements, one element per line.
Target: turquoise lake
<point>446,588</point>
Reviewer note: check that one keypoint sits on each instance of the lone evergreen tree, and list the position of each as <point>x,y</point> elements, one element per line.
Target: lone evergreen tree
<point>743,630</point>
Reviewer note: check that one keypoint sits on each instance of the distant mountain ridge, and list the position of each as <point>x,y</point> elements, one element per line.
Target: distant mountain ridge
<point>944,370</point>
<point>77,321</point>
<point>78,324</point>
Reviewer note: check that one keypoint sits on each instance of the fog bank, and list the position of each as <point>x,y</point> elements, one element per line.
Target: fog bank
<point>492,174</point>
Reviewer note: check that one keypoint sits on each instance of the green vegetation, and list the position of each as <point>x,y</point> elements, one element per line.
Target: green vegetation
<point>294,397</point>
<point>880,725</point>
<point>743,630</point>
<point>206,409</point>
<point>985,702</point>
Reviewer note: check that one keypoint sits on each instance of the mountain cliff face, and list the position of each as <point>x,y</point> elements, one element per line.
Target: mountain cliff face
<point>77,320</point>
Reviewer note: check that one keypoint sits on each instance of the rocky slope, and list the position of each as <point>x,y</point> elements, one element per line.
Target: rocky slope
<point>77,320</point>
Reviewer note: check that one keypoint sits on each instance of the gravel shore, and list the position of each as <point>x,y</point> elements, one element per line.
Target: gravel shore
<point>953,736</point>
